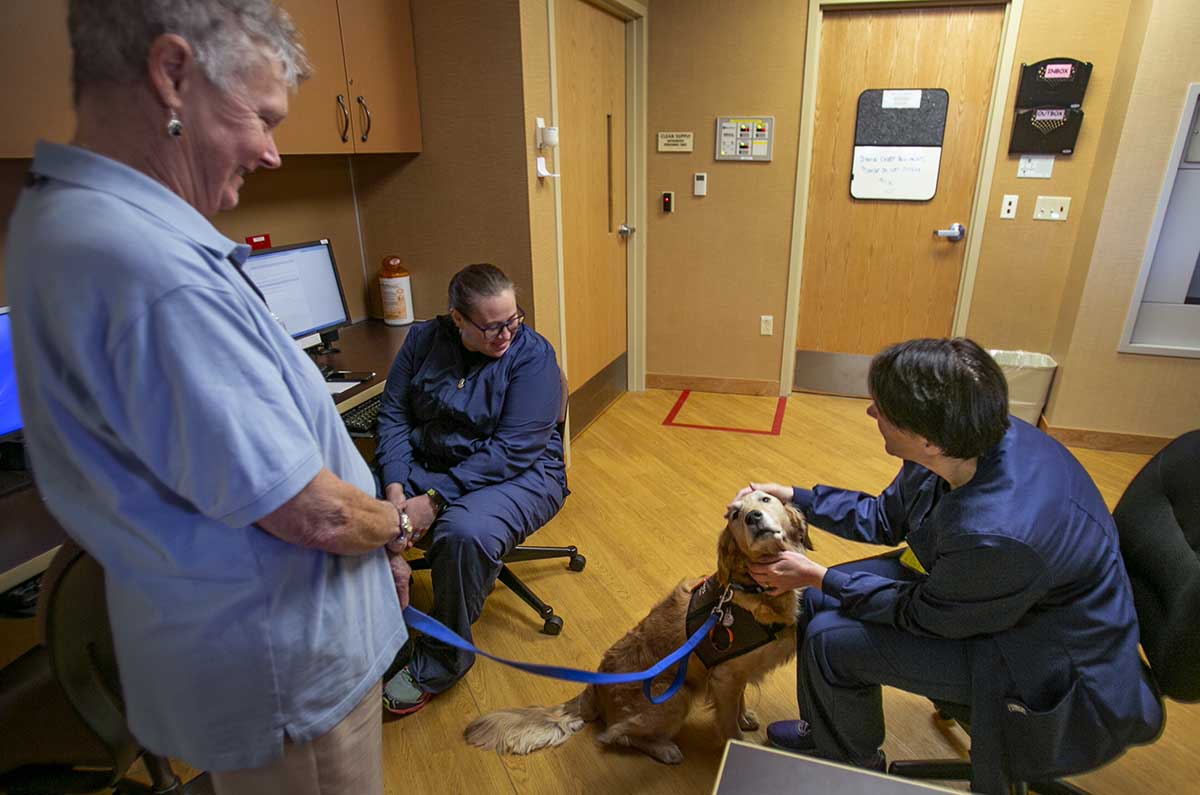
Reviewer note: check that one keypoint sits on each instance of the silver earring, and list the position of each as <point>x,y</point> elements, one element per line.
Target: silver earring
<point>174,125</point>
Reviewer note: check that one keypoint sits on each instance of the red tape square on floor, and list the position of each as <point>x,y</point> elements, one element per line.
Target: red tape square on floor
<point>776,426</point>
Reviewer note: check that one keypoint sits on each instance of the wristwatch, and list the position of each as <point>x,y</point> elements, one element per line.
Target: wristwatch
<point>435,499</point>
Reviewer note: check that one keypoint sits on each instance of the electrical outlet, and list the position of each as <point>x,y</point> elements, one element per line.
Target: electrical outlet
<point>766,325</point>
<point>1008,207</point>
<point>1051,208</point>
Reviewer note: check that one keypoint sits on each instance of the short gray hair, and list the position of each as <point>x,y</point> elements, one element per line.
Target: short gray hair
<point>111,39</point>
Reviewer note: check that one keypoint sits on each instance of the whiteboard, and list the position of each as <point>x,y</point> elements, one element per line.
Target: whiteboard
<point>906,173</point>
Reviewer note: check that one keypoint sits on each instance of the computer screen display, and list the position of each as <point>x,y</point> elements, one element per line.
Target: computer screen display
<point>10,409</point>
<point>301,285</point>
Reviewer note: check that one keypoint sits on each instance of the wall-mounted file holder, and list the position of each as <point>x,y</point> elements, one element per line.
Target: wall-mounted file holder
<point>1045,131</point>
<point>1054,81</point>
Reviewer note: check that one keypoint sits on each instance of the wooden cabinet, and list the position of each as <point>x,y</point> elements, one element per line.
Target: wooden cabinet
<point>35,97</point>
<point>362,96</point>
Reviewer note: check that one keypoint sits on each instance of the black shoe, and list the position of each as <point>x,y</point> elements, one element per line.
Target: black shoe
<point>796,736</point>
<point>792,735</point>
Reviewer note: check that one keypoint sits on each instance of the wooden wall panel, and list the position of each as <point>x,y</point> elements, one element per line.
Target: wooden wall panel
<point>1023,263</point>
<point>1098,388</point>
<point>308,198</point>
<point>465,198</point>
<point>535,67</point>
<point>718,262</point>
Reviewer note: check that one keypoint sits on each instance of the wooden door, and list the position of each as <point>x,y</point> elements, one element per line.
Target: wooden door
<point>873,271</point>
<point>590,54</point>
<point>35,60</point>
<point>316,120</point>
<point>381,72</point>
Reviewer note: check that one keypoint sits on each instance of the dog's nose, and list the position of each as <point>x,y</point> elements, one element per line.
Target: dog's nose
<point>754,517</point>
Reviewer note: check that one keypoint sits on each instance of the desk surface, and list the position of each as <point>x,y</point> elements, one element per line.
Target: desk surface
<point>748,769</point>
<point>369,345</point>
<point>29,535</point>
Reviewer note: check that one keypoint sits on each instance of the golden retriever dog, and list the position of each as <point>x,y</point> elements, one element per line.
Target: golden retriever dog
<point>757,526</point>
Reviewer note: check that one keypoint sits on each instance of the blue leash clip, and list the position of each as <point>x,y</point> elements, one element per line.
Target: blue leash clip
<point>438,631</point>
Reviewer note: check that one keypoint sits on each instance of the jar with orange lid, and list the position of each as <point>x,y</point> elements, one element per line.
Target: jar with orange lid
<point>395,288</point>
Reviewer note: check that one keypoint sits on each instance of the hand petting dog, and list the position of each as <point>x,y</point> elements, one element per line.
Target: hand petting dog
<point>787,570</point>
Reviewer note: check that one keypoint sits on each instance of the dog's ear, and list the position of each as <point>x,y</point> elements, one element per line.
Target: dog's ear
<point>799,526</point>
<point>727,554</point>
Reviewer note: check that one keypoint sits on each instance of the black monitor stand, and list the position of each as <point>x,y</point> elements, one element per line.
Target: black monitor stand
<point>326,346</point>
<point>14,469</point>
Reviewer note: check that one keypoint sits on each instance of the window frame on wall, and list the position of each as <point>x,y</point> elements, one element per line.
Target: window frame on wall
<point>1152,320</point>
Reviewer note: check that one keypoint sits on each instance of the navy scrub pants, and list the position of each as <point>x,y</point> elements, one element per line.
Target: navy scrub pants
<point>842,662</point>
<point>468,542</point>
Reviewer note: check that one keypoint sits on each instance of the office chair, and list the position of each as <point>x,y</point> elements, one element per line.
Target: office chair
<point>1158,523</point>
<point>551,624</point>
<point>64,723</point>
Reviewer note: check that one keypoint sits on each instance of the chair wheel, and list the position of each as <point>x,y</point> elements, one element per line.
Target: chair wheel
<point>553,625</point>
<point>577,563</point>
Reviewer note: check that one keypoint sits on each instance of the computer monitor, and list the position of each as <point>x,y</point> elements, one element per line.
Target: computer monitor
<point>10,408</point>
<point>302,287</point>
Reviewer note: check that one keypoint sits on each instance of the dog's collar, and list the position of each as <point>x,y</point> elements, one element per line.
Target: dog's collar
<point>753,587</point>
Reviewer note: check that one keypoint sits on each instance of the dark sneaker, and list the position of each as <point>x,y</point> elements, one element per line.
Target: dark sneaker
<point>791,735</point>
<point>796,736</point>
<point>401,696</point>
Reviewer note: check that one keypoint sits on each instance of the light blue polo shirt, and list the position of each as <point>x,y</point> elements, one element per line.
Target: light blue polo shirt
<point>166,412</point>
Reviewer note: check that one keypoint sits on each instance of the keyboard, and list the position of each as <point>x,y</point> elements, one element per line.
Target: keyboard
<point>361,419</point>
<point>20,601</point>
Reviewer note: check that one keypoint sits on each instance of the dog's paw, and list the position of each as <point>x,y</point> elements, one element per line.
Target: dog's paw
<point>668,754</point>
<point>748,721</point>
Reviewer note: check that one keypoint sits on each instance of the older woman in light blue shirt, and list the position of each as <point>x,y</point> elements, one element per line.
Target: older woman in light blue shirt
<point>177,431</point>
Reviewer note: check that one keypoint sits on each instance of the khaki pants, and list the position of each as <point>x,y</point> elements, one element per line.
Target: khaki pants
<point>346,760</point>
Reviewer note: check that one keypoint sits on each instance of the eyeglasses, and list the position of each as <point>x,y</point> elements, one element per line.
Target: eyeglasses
<point>493,331</point>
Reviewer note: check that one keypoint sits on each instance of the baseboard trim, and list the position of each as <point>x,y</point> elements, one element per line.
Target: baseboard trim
<point>590,400</point>
<point>826,373</point>
<point>705,383</point>
<point>1105,440</point>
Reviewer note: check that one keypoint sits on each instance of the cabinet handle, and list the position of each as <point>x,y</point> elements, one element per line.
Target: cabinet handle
<point>362,103</point>
<point>345,118</point>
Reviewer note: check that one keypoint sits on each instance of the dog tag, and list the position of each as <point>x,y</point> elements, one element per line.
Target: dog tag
<point>727,619</point>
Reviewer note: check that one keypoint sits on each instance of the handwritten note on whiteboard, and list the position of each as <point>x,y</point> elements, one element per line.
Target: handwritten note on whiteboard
<point>907,173</point>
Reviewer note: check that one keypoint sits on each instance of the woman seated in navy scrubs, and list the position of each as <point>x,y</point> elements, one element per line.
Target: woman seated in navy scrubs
<point>469,453</point>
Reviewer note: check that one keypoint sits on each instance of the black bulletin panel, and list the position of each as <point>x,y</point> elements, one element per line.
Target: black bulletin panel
<point>898,143</point>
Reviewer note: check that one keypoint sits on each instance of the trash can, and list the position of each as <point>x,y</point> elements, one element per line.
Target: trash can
<point>1029,376</point>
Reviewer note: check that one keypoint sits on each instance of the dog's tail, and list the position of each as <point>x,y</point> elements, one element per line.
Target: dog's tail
<point>521,731</point>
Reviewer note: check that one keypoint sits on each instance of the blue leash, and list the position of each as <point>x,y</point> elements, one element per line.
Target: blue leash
<point>419,621</point>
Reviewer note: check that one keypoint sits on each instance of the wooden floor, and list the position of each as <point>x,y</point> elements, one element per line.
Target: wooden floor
<point>645,509</point>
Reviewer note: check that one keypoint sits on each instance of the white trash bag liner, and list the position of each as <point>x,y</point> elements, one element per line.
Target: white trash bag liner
<point>1029,377</point>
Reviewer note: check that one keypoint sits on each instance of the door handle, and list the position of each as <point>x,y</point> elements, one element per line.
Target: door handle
<point>624,230</point>
<point>955,233</point>
<point>345,118</point>
<point>362,103</point>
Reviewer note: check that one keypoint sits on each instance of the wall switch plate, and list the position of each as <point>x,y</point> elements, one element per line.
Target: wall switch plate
<point>766,325</point>
<point>1008,207</point>
<point>1051,208</point>
<point>1035,166</point>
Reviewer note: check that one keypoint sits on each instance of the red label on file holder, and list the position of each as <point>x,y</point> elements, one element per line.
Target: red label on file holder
<point>259,241</point>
